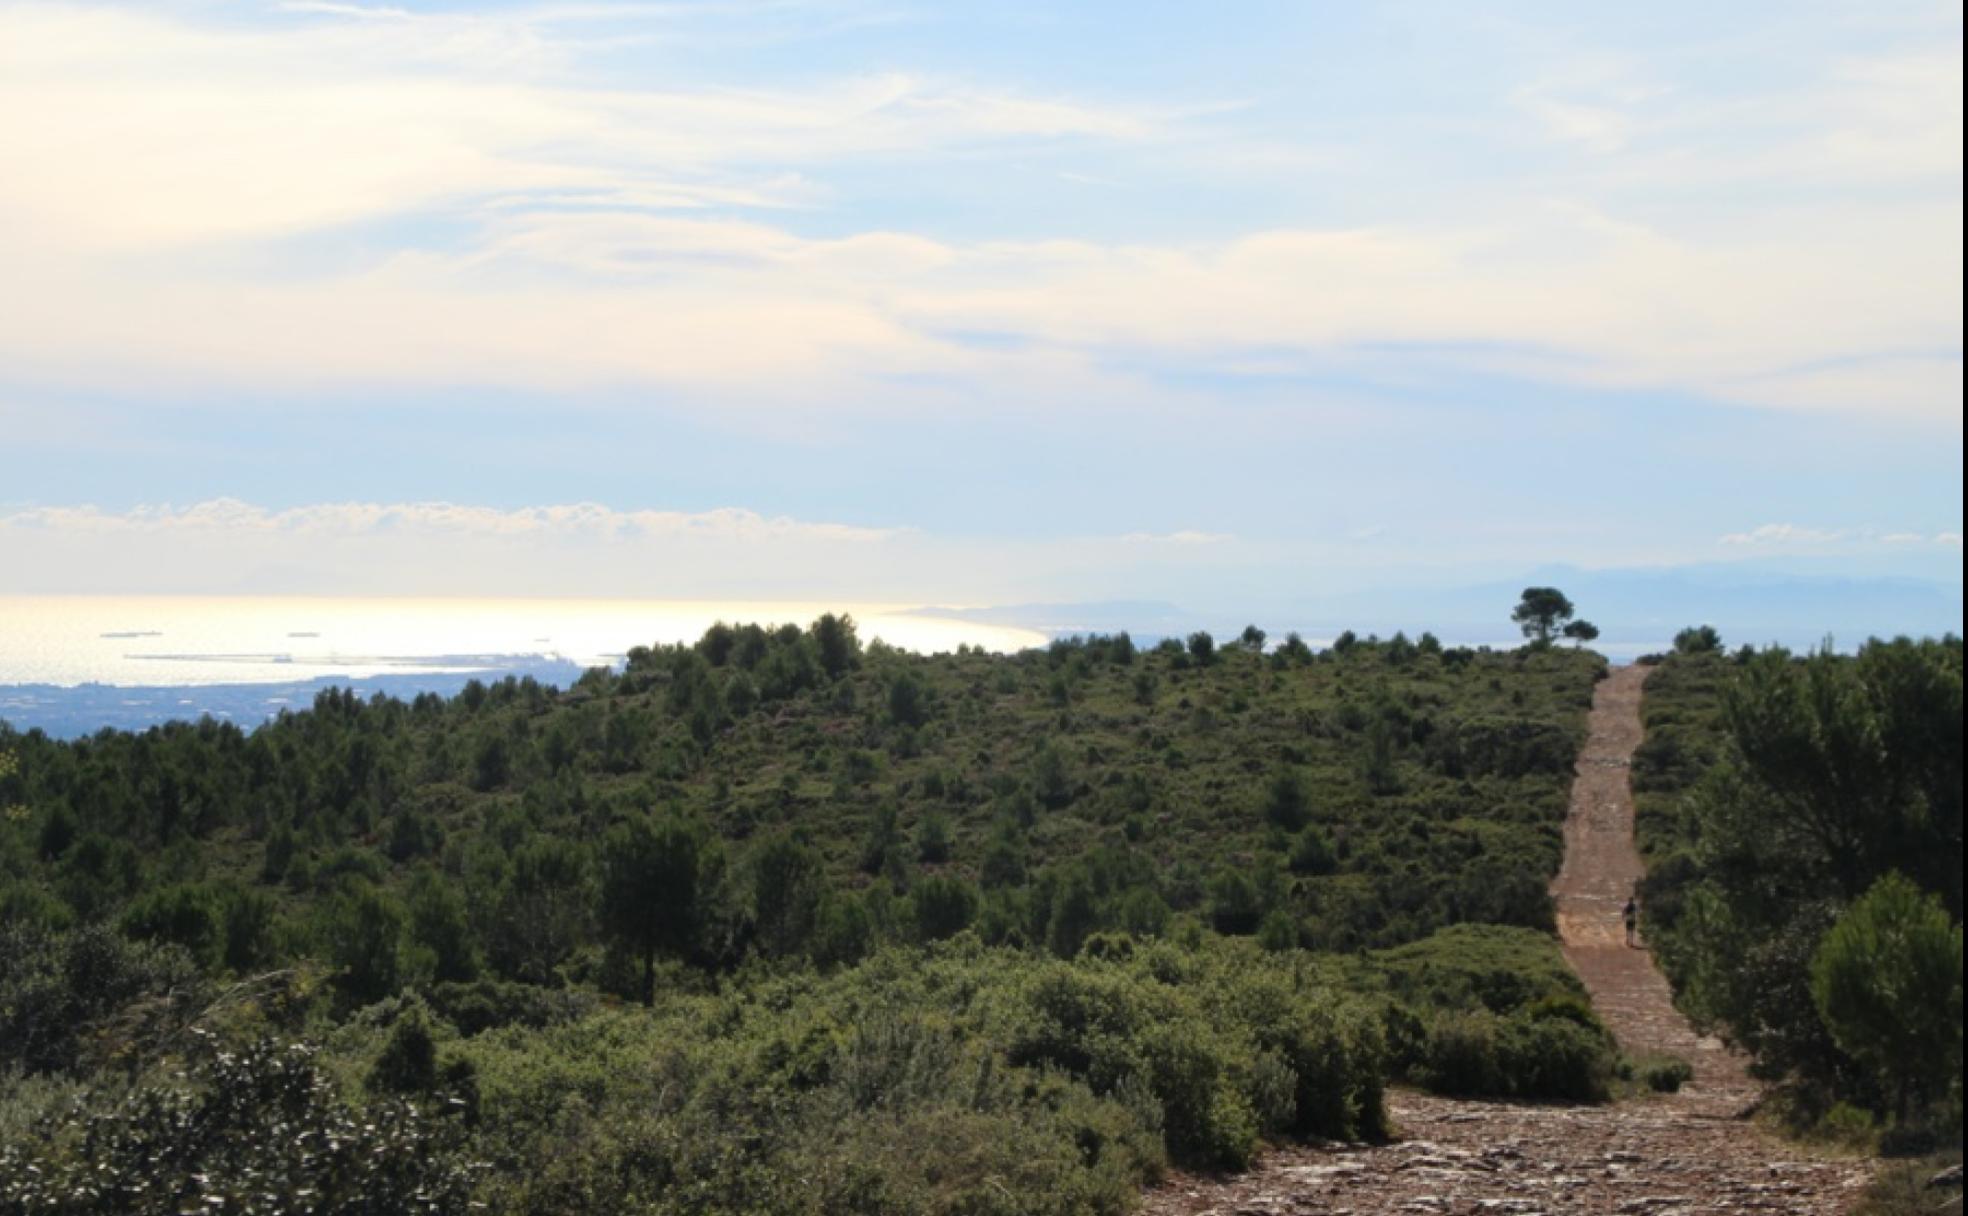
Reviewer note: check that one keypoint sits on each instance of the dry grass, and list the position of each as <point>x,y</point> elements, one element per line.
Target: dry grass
<point>1903,1188</point>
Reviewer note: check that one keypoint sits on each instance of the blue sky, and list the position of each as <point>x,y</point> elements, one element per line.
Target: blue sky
<point>973,303</point>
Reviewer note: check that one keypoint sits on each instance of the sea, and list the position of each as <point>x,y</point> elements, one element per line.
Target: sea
<point>71,665</point>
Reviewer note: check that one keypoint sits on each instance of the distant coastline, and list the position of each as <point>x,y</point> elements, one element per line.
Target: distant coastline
<point>74,711</point>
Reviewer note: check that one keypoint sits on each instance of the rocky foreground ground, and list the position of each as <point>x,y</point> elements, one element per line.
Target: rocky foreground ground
<point>1645,1158</point>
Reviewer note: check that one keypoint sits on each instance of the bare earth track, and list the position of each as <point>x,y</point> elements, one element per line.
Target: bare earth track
<point>1673,1155</point>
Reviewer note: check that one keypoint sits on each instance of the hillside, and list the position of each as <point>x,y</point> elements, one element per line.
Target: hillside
<point>1417,788</point>
<point>911,932</point>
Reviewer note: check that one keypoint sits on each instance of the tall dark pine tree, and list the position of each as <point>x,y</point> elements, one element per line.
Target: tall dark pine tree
<point>651,891</point>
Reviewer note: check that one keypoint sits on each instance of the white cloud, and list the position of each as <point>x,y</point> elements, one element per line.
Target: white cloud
<point>1772,535</point>
<point>1183,537</point>
<point>569,300</point>
<point>432,548</point>
<point>1796,536</point>
<point>1893,115</point>
<point>1598,128</point>
<point>356,519</point>
<point>228,546</point>
<point>594,235</point>
<point>1889,118</point>
<point>240,133</point>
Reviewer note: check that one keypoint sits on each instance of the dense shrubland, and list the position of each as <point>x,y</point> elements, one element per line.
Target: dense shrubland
<point>779,922</point>
<point>950,1078</point>
<point>1802,820</point>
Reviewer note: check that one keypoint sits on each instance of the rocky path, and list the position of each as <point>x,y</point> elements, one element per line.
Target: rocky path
<point>1601,869</point>
<point>1686,1154</point>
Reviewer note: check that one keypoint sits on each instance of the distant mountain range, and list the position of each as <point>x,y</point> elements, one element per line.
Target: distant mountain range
<point>1633,608</point>
<point>1648,605</point>
<point>1140,618</point>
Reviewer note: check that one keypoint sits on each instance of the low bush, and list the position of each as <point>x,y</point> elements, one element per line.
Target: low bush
<point>57,987</point>
<point>1554,1058</point>
<point>1486,1011</point>
<point>952,1079</point>
<point>488,1004</point>
<point>257,1130</point>
<point>1663,1074</point>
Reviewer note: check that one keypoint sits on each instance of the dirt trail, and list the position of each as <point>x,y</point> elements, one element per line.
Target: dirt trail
<point>1672,1155</point>
<point>1601,869</point>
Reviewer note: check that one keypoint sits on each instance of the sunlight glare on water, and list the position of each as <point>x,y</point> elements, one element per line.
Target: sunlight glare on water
<point>131,640</point>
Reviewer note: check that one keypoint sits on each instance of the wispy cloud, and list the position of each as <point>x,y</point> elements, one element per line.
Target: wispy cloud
<point>1787,536</point>
<point>1599,128</point>
<point>582,548</point>
<point>356,519</point>
<point>231,133</point>
<point>1184,536</point>
<point>558,300</point>
<point>534,226</point>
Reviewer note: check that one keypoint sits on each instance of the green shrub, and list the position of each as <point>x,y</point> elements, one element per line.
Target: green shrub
<point>1666,1074</point>
<point>1567,1007</point>
<point>488,1004</point>
<point>942,907</point>
<point>1207,1121</point>
<point>1553,1058</point>
<point>1312,853</point>
<point>1887,981</point>
<point>1288,800</point>
<point>1848,1124</point>
<point>1336,1060</point>
<point>361,931</point>
<point>56,987</point>
<point>1475,1053</point>
<point>256,1130</point>
<point>843,932</point>
<point>408,1062</point>
<point>1462,1058</point>
<point>1279,932</point>
<point>1236,905</point>
<point>1407,1043</point>
<point>186,914</point>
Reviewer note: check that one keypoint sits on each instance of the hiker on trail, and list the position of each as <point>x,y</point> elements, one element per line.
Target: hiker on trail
<point>1632,915</point>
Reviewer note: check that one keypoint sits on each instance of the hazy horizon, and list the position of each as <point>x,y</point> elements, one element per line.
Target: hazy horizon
<point>66,640</point>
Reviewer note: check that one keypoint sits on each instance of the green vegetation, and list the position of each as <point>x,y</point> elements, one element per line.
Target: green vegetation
<point>779,922</point>
<point>1663,1074</point>
<point>1887,984</point>
<point>1802,821</point>
<point>1545,613</point>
